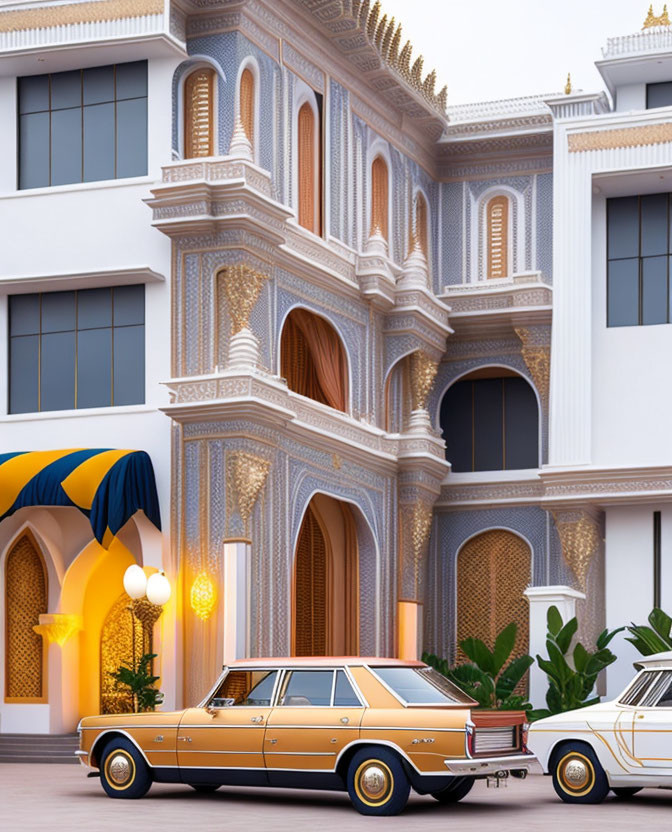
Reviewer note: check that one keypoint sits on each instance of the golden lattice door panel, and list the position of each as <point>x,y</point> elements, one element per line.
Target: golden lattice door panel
<point>198,113</point>
<point>25,599</point>
<point>123,639</point>
<point>310,590</point>
<point>493,571</point>
<point>498,236</point>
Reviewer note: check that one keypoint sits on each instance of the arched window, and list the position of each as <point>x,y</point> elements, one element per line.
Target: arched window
<point>490,421</point>
<point>310,169</point>
<point>493,572</point>
<point>421,223</point>
<point>312,359</point>
<point>25,599</point>
<point>246,104</point>
<point>379,196</point>
<point>497,213</point>
<point>199,138</point>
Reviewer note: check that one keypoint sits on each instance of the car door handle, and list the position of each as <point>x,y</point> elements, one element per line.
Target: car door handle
<point>273,740</point>
<point>184,739</point>
<point>345,720</point>
<point>640,716</point>
<point>257,719</point>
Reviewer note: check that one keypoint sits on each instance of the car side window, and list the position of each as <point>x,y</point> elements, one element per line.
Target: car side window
<point>657,690</point>
<point>306,687</point>
<point>344,695</point>
<point>245,688</point>
<point>665,700</point>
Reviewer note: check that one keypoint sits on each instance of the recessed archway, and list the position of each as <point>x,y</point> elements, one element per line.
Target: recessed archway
<point>325,606</point>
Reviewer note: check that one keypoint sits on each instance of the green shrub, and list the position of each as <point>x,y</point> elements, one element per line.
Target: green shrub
<point>489,678</point>
<point>140,683</point>
<point>653,639</point>
<point>569,684</point>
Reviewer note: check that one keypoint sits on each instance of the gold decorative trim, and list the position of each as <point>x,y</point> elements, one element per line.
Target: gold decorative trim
<point>416,527</point>
<point>623,137</point>
<point>651,20</point>
<point>245,477</point>
<point>580,540</point>
<point>538,361</point>
<point>241,286</point>
<point>89,12</point>
<point>423,373</point>
<point>58,628</point>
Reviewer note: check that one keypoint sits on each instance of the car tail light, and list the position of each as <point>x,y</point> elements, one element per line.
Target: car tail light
<point>470,739</point>
<point>524,731</point>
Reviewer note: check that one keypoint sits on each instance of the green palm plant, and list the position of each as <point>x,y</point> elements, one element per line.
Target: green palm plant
<point>490,677</point>
<point>571,680</point>
<point>654,639</point>
<point>140,683</point>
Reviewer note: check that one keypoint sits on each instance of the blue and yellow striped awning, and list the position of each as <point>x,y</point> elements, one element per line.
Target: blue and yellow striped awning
<point>108,486</point>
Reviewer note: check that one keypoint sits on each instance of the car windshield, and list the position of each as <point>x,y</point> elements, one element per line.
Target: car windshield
<point>421,686</point>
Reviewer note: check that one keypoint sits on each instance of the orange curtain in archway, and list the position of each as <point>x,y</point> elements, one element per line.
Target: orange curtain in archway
<point>247,104</point>
<point>379,195</point>
<point>307,168</point>
<point>313,360</point>
<point>421,223</point>
<point>310,589</point>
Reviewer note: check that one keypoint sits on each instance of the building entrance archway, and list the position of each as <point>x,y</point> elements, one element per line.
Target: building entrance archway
<point>325,614</point>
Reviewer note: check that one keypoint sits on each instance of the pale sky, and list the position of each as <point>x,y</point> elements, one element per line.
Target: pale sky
<point>491,49</point>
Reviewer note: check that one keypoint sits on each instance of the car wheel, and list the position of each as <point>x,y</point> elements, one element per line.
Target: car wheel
<point>205,788</point>
<point>626,792</point>
<point>123,771</point>
<point>377,782</point>
<point>459,788</point>
<point>578,776</point>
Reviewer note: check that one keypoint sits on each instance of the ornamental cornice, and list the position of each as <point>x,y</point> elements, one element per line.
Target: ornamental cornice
<point>601,487</point>
<point>522,492</point>
<point>611,139</point>
<point>47,15</point>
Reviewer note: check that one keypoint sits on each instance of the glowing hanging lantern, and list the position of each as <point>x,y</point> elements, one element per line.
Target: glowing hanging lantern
<point>158,589</point>
<point>203,596</point>
<point>135,581</point>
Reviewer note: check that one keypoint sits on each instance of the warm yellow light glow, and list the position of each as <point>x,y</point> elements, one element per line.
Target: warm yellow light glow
<point>203,596</point>
<point>57,628</point>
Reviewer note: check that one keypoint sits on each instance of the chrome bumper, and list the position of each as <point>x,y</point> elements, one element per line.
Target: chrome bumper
<point>491,765</point>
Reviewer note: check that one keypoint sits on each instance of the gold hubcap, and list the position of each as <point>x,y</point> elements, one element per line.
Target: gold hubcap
<point>120,769</point>
<point>373,782</point>
<point>576,774</point>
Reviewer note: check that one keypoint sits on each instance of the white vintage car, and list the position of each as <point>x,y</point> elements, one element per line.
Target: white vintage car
<point>624,745</point>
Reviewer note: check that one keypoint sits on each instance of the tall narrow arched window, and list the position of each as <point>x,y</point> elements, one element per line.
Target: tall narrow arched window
<point>246,104</point>
<point>421,223</point>
<point>379,196</point>
<point>309,159</point>
<point>25,599</point>
<point>199,132</point>
<point>497,213</point>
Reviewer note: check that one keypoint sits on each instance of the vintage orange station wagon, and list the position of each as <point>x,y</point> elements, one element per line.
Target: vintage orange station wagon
<point>374,727</point>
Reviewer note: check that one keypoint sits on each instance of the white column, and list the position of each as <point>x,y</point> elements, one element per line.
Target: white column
<point>236,600</point>
<point>541,598</point>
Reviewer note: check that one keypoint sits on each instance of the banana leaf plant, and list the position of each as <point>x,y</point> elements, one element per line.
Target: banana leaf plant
<point>140,683</point>
<point>571,679</point>
<point>654,639</point>
<point>490,677</point>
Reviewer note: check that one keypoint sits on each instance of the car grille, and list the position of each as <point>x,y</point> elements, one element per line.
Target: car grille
<point>495,740</point>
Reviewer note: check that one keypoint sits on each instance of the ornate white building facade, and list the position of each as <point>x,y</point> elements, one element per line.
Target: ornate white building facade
<point>386,397</point>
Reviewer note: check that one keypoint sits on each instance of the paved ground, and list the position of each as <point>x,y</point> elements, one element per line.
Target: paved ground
<point>59,797</point>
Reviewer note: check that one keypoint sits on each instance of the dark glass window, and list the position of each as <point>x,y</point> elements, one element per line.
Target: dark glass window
<point>83,125</point>
<point>344,695</point>
<point>491,424</point>
<point>659,95</point>
<point>639,251</point>
<point>245,688</point>
<point>307,687</point>
<point>77,349</point>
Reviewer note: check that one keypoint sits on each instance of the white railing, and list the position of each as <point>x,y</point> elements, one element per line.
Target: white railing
<point>150,24</point>
<point>649,40</point>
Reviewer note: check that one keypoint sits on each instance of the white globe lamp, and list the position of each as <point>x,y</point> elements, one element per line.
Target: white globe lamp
<point>158,589</point>
<point>135,581</point>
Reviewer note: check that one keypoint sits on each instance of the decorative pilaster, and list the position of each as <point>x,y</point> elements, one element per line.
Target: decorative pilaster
<point>416,525</point>
<point>537,358</point>
<point>423,371</point>
<point>245,478</point>
<point>241,286</point>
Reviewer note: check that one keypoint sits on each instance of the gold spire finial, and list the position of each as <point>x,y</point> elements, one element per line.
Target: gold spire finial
<point>568,85</point>
<point>652,20</point>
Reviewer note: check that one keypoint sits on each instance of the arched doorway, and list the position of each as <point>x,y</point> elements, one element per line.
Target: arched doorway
<point>493,571</point>
<point>26,597</point>
<point>326,584</point>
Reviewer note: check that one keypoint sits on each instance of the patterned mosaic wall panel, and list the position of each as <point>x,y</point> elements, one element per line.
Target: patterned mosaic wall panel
<point>545,224</point>
<point>452,196</point>
<point>450,531</point>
